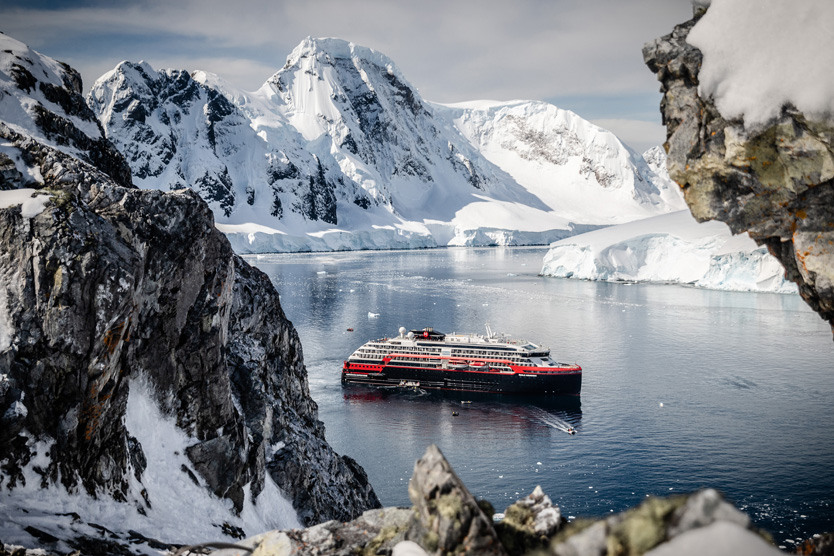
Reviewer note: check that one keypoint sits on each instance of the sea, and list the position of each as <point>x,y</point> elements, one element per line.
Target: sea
<point>683,388</point>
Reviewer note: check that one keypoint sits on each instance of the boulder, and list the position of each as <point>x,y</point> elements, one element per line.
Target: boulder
<point>447,518</point>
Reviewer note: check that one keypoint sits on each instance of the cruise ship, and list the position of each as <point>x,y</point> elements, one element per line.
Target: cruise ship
<point>428,359</point>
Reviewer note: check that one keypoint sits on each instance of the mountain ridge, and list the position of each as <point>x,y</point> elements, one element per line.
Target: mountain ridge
<point>340,144</point>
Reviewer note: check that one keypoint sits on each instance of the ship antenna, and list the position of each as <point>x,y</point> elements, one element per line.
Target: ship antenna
<point>489,331</point>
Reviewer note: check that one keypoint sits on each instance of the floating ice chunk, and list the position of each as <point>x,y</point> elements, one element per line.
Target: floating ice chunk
<point>661,404</point>
<point>372,315</point>
<point>321,272</point>
<point>538,463</point>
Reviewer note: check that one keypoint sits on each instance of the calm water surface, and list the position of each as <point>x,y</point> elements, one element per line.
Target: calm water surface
<point>682,388</point>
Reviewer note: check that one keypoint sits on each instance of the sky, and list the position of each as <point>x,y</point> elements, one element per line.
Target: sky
<point>582,55</point>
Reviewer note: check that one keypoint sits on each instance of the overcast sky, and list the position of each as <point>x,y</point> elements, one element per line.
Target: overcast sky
<point>583,55</point>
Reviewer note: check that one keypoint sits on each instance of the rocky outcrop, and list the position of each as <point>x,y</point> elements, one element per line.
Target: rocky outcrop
<point>776,183</point>
<point>107,287</point>
<point>446,519</point>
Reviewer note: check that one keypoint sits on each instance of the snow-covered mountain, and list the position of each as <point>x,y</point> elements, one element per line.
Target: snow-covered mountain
<point>581,171</point>
<point>40,99</point>
<point>337,150</point>
<point>671,248</point>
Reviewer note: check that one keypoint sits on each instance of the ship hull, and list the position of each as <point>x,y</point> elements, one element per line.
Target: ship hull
<point>566,382</point>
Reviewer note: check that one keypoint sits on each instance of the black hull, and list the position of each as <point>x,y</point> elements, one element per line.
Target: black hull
<point>559,384</point>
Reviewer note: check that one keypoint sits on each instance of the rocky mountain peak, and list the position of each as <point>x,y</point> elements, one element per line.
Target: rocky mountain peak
<point>41,98</point>
<point>338,136</point>
<point>317,53</point>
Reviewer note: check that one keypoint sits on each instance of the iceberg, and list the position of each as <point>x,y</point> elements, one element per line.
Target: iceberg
<point>671,248</point>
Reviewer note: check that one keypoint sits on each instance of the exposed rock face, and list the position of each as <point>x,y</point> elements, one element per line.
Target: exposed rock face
<point>775,183</point>
<point>109,285</point>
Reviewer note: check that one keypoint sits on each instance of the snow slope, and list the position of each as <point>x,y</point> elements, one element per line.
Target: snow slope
<point>581,171</point>
<point>337,150</point>
<point>183,512</point>
<point>671,248</point>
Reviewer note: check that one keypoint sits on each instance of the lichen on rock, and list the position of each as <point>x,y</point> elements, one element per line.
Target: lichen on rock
<point>447,518</point>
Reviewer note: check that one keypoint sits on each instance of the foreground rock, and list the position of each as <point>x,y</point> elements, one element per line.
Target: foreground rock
<point>125,314</point>
<point>446,519</point>
<point>776,183</point>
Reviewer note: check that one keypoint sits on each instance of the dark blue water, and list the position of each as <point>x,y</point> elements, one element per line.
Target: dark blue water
<point>682,388</point>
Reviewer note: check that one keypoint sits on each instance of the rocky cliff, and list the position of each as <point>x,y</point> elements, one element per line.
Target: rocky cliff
<point>774,181</point>
<point>131,337</point>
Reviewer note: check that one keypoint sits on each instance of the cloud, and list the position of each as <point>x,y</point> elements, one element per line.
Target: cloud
<point>451,50</point>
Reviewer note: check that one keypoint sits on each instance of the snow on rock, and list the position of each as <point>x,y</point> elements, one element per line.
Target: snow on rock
<point>41,98</point>
<point>762,56</point>
<point>183,510</point>
<point>31,203</point>
<point>671,248</point>
<point>721,538</point>
<point>337,150</point>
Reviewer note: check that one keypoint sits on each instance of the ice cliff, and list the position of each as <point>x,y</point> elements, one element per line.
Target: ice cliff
<point>151,388</point>
<point>756,161</point>
<point>671,248</point>
<point>337,150</point>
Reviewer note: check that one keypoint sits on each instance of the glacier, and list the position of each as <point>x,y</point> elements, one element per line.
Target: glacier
<point>670,248</point>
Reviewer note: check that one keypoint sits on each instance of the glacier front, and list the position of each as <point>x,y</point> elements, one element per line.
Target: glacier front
<point>671,248</point>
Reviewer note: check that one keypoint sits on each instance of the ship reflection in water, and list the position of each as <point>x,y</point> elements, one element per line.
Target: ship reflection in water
<point>487,413</point>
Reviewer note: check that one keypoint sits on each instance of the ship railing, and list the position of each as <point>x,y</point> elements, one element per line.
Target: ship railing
<point>489,363</point>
